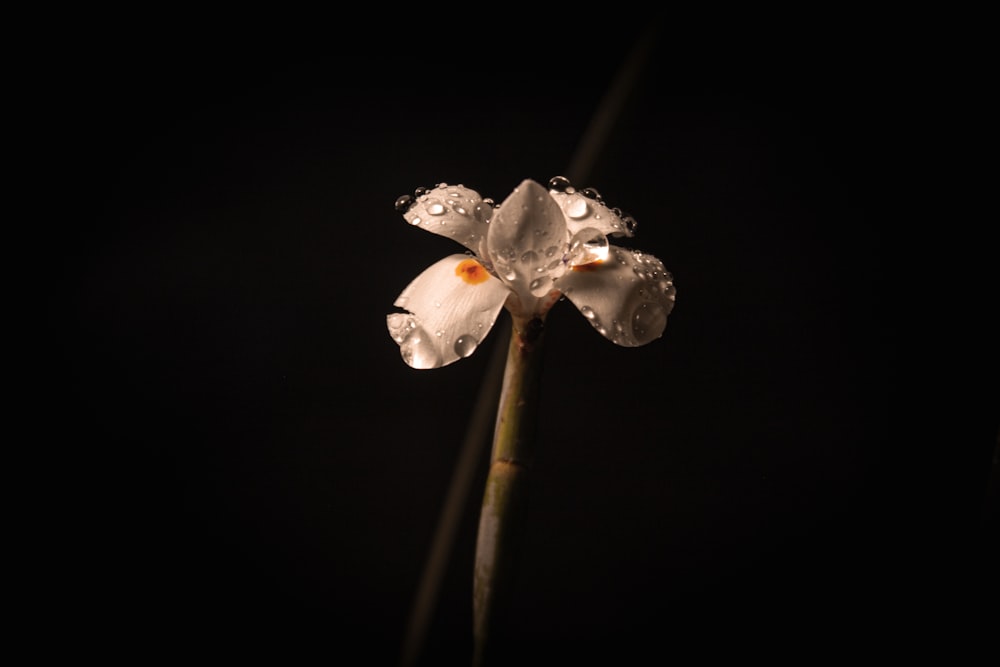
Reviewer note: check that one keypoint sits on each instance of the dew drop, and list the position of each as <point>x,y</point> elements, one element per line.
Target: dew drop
<point>437,208</point>
<point>403,203</point>
<point>529,257</point>
<point>416,221</point>
<point>400,325</point>
<point>418,350</point>
<point>483,212</point>
<point>559,183</point>
<point>578,208</point>
<point>587,246</point>
<point>588,312</point>
<point>465,345</point>
<point>648,322</point>
<point>540,286</point>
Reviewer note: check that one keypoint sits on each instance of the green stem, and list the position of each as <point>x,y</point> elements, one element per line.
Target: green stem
<point>500,520</point>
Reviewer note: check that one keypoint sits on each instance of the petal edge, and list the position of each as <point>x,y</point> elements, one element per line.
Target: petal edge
<point>450,312</point>
<point>627,298</point>
<point>454,211</point>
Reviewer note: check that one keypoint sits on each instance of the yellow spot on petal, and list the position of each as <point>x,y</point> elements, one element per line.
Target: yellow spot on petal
<point>471,271</point>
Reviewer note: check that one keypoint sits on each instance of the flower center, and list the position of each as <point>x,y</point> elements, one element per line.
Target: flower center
<point>471,271</point>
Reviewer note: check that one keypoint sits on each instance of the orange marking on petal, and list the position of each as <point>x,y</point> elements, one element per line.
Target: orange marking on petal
<point>591,266</point>
<point>471,272</point>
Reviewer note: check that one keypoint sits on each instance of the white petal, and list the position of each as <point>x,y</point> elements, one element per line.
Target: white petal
<point>582,211</point>
<point>627,297</point>
<point>450,312</point>
<point>526,241</point>
<point>454,211</point>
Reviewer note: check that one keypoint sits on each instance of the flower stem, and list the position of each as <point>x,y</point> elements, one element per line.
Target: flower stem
<point>504,499</point>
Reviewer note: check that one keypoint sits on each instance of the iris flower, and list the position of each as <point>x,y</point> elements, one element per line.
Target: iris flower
<point>537,246</point>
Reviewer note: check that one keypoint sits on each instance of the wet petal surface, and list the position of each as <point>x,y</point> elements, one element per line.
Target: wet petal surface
<point>527,241</point>
<point>582,211</point>
<point>626,298</point>
<point>454,211</point>
<point>451,307</point>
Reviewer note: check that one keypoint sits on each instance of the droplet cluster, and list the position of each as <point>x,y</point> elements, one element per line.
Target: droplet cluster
<point>580,204</point>
<point>587,246</point>
<point>625,294</point>
<point>415,344</point>
<point>647,299</point>
<point>419,349</point>
<point>449,210</point>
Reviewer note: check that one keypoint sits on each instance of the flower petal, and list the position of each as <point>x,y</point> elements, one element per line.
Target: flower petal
<point>454,211</point>
<point>627,297</point>
<point>582,211</point>
<point>452,306</point>
<point>526,241</point>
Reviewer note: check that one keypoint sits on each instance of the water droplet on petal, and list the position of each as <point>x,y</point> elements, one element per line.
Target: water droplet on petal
<point>587,246</point>
<point>437,208</point>
<point>588,312</point>
<point>465,345</point>
<point>648,322</point>
<point>540,286</point>
<point>416,221</point>
<point>418,351</point>
<point>400,325</point>
<point>403,203</point>
<point>559,183</point>
<point>578,208</point>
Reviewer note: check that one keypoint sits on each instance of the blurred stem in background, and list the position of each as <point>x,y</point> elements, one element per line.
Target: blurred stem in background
<point>515,407</point>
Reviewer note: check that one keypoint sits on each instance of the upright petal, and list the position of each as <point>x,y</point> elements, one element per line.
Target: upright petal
<point>526,241</point>
<point>626,297</point>
<point>452,306</point>
<point>454,211</point>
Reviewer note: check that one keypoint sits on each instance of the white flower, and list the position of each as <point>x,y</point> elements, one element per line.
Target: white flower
<point>537,246</point>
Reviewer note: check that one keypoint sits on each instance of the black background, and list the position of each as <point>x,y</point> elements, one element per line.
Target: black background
<point>253,468</point>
